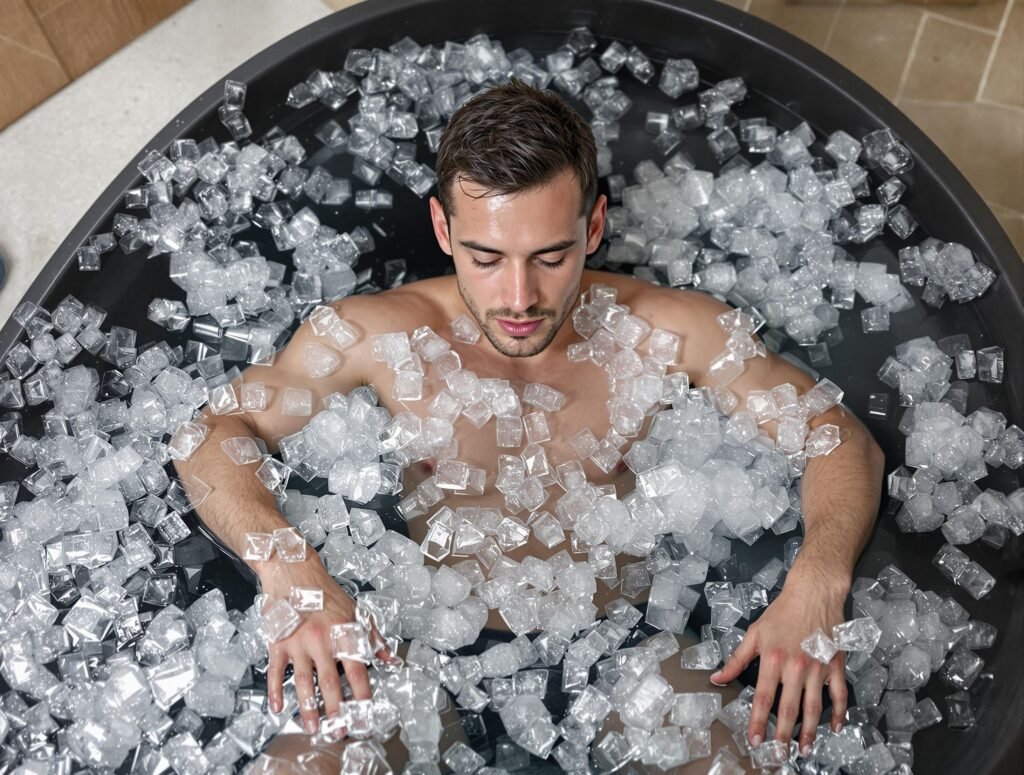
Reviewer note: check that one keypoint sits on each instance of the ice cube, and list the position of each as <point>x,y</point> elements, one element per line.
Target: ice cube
<point>706,655</point>
<point>279,620</point>
<point>307,598</point>
<point>545,398</point>
<point>186,440</point>
<point>959,713</point>
<point>990,362</point>
<point>320,361</point>
<point>350,641</point>
<point>536,428</point>
<point>857,635</point>
<point>823,440</point>
<point>819,646</point>
<point>770,754</point>
<point>725,367</point>
<point>696,709</point>
<point>242,450</point>
<point>509,432</point>
<point>253,397</point>
<point>297,402</point>
<point>647,703</point>
<point>258,546</point>
<point>465,330</point>
<point>290,544</point>
<point>462,759</point>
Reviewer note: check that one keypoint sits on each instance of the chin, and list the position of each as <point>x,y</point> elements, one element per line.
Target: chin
<point>523,347</point>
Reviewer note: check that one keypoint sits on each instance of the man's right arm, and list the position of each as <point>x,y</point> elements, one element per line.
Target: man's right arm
<point>239,504</point>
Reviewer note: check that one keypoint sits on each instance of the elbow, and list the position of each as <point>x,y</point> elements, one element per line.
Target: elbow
<point>868,449</point>
<point>875,453</point>
<point>869,446</point>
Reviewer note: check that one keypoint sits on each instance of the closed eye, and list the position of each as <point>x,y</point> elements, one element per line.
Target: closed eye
<point>488,264</point>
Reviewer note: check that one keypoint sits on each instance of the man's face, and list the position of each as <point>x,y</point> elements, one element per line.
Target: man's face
<point>519,258</point>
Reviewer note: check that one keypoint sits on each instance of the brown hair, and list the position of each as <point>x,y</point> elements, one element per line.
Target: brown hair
<point>513,137</point>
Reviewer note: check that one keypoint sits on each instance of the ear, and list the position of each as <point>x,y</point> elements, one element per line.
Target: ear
<point>440,223</point>
<point>595,229</point>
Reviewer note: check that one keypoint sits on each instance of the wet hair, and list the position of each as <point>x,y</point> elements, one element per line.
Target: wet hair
<point>513,137</point>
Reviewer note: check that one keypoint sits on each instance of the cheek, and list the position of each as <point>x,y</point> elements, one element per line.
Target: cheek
<point>479,290</point>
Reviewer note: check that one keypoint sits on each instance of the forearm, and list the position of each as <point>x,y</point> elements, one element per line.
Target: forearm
<point>840,499</point>
<point>238,503</point>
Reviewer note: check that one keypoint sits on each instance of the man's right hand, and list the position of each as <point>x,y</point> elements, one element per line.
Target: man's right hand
<point>309,649</point>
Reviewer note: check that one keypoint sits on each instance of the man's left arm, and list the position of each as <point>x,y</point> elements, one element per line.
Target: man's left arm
<point>840,498</point>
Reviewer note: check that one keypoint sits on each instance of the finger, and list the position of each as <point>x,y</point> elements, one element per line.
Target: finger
<point>812,710</point>
<point>303,677</point>
<point>329,681</point>
<point>275,677</point>
<point>793,680</point>
<point>738,661</point>
<point>384,652</point>
<point>838,692</point>
<point>358,678</point>
<point>764,695</point>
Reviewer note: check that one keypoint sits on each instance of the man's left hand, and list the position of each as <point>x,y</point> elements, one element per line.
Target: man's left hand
<point>804,605</point>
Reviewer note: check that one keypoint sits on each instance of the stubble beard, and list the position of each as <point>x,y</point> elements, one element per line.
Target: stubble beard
<point>513,347</point>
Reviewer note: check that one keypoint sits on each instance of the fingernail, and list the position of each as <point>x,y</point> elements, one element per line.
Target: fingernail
<point>756,740</point>
<point>837,727</point>
<point>806,750</point>
<point>310,726</point>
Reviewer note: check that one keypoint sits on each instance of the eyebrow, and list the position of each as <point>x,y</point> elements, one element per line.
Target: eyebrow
<point>563,245</point>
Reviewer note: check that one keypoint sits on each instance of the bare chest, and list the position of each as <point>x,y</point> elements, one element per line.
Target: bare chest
<point>586,390</point>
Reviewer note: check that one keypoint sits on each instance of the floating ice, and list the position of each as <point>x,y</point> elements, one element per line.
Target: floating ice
<point>819,646</point>
<point>857,635</point>
<point>706,474</point>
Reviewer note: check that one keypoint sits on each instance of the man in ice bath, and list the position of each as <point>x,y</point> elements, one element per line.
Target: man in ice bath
<point>518,211</point>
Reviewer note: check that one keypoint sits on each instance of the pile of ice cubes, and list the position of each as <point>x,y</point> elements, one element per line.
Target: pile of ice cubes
<point>95,647</point>
<point>951,450</point>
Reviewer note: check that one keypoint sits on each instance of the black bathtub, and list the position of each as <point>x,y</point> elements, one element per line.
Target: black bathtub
<point>789,81</point>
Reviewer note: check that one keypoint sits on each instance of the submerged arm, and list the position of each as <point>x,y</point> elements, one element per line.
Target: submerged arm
<point>840,498</point>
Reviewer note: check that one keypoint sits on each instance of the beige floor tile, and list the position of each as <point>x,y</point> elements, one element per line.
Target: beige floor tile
<point>16,15</point>
<point>1006,76</point>
<point>810,23</point>
<point>874,42</point>
<point>983,14</point>
<point>986,143</point>
<point>29,71</point>
<point>948,62</point>
<point>1013,224</point>
<point>337,5</point>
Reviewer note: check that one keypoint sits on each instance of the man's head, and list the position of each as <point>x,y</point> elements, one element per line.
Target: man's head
<point>518,211</point>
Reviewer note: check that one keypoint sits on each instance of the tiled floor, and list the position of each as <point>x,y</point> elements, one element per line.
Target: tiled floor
<point>956,70</point>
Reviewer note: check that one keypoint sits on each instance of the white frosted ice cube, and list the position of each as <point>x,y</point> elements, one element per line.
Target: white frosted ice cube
<point>465,330</point>
<point>819,646</point>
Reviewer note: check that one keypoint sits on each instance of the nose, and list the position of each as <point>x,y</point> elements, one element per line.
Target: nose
<point>519,287</point>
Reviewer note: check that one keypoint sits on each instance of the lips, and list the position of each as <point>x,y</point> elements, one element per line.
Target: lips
<point>520,329</point>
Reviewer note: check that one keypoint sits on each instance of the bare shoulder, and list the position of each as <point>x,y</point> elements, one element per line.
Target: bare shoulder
<point>661,307</point>
<point>405,308</point>
<point>689,314</point>
<point>678,310</point>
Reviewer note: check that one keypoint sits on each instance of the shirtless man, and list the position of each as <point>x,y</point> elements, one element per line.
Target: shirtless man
<point>518,213</point>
